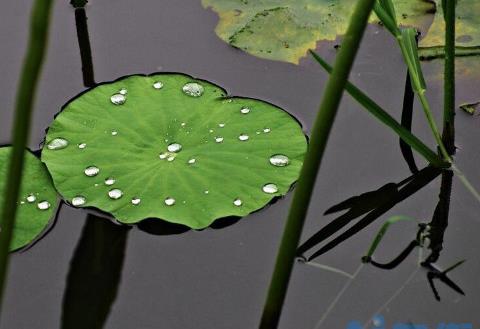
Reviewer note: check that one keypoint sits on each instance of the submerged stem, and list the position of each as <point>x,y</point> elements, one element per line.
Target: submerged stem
<point>39,23</point>
<point>320,132</point>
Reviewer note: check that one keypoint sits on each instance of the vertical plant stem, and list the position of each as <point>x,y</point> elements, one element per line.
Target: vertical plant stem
<point>39,23</point>
<point>449,78</point>
<point>319,137</point>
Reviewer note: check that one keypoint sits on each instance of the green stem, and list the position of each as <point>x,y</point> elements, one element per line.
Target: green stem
<point>449,81</point>
<point>320,132</point>
<point>419,88</point>
<point>433,126</point>
<point>39,23</point>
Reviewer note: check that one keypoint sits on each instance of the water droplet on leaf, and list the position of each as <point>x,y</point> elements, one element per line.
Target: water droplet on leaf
<point>279,160</point>
<point>31,198</point>
<point>43,205</point>
<point>244,110</point>
<point>57,144</point>
<point>192,161</point>
<point>118,99</point>
<point>78,201</point>
<point>270,188</point>
<point>110,181</point>
<point>169,201</point>
<point>82,146</point>
<point>243,137</point>
<point>193,89</point>
<point>237,202</point>
<point>115,194</point>
<point>219,139</point>
<point>158,85</point>
<point>174,147</point>
<point>136,201</point>
<point>91,171</point>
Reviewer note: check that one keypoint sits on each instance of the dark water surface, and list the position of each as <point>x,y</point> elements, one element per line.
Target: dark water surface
<point>218,278</point>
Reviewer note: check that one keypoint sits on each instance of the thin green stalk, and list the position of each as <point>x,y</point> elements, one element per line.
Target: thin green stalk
<point>449,75</point>
<point>387,119</point>
<point>407,41</point>
<point>39,23</point>
<point>320,132</point>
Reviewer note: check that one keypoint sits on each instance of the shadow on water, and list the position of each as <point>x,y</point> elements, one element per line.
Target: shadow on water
<point>373,204</point>
<point>94,275</point>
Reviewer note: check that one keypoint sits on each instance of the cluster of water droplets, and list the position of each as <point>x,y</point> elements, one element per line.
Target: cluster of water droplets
<point>192,89</point>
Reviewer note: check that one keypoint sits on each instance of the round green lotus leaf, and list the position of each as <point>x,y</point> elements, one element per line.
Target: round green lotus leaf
<point>171,147</point>
<point>38,199</point>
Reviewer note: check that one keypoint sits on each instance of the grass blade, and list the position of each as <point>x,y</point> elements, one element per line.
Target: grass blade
<point>39,23</point>
<point>386,19</point>
<point>383,230</point>
<point>320,132</point>
<point>387,119</point>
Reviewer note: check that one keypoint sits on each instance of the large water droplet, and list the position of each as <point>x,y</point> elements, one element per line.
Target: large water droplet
<point>158,85</point>
<point>91,171</point>
<point>237,202</point>
<point>82,146</point>
<point>266,130</point>
<point>123,91</point>
<point>221,125</point>
<point>31,198</point>
<point>174,147</point>
<point>270,188</point>
<point>110,181</point>
<point>192,161</point>
<point>78,201</point>
<point>243,137</point>
<point>193,89</point>
<point>57,144</point>
<point>136,201</point>
<point>279,160</point>
<point>219,139</point>
<point>115,194</point>
<point>244,110</point>
<point>43,205</point>
<point>114,133</point>
<point>169,201</point>
<point>118,99</point>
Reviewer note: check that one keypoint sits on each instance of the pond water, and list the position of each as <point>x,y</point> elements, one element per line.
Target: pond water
<point>217,278</point>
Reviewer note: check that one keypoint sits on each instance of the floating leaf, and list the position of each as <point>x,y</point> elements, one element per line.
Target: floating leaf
<point>467,31</point>
<point>173,148</point>
<point>286,30</point>
<point>38,199</point>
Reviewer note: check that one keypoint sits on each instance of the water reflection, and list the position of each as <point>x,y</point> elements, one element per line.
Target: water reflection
<point>84,42</point>
<point>94,275</point>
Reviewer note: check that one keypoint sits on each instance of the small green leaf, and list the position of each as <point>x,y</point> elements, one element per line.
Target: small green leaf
<point>171,147</point>
<point>38,199</point>
<point>470,108</point>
